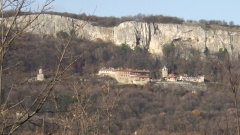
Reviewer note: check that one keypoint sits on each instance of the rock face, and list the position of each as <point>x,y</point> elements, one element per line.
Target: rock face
<point>150,36</point>
<point>52,24</point>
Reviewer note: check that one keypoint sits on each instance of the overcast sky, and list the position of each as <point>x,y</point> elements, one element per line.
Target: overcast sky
<point>228,10</point>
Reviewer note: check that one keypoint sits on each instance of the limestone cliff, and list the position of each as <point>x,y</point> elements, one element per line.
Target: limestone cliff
<point>150,36</point>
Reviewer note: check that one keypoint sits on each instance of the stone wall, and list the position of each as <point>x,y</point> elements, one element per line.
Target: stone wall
<point>183,86</point>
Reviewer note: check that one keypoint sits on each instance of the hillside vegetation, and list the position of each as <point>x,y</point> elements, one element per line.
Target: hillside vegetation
<point>86,104</point>
<point>35,52</point>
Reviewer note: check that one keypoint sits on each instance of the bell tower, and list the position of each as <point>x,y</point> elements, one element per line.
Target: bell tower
<point>164,72</point>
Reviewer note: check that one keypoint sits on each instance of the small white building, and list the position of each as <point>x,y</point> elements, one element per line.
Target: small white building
<point>171,78</point>
<point>191,78</point>
<point>40,76</point>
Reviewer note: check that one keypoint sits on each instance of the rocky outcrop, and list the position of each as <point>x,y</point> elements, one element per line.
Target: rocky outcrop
<point>150,36</point>
<point>154,36</point>
<point>52,24</point>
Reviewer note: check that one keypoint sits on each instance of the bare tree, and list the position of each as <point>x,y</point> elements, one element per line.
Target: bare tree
<point>229,71</point>
<point>88,122</point>
<point>12,27</point>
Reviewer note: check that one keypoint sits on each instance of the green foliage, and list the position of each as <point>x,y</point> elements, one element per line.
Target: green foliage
<point>168,50</point>
<point>221,50</point>
<point>63,34</point>
<point>125,48</point>
<point>222,54</point>
<point>138,49</point>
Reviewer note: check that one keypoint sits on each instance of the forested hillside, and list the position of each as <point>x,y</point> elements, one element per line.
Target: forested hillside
<point>83,103</point>
<point>35,52</point>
